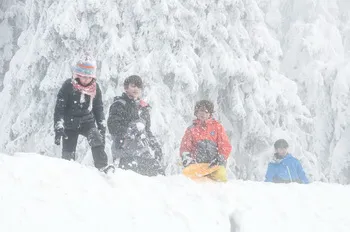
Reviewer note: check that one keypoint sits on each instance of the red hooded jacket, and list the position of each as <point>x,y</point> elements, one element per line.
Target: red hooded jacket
<point>204,138</point>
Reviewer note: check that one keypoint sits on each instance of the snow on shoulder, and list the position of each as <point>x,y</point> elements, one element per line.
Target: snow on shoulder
<point>40,193</point>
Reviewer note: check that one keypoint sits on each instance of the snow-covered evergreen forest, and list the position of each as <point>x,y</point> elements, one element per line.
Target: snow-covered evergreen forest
<point>273,68</point>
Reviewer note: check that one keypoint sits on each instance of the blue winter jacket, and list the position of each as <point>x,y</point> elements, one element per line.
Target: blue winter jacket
<point>286,170</point>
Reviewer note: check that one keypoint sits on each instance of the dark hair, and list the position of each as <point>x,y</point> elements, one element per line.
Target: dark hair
<point>281,143</point>
<point>208,105</point>
<point>134,79</point>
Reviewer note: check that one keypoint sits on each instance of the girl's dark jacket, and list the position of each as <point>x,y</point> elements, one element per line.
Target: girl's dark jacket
<point>75,113</point>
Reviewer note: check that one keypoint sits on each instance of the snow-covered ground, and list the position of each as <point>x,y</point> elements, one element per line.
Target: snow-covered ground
<point>40,193</point>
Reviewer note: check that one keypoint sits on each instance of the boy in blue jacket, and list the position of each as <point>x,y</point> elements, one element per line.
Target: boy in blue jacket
<point>285,168</point>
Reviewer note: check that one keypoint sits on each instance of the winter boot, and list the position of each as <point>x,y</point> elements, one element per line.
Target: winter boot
<point>108,169</point>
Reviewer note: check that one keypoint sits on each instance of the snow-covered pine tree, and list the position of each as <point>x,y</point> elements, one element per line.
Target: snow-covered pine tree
<point>271,68</point>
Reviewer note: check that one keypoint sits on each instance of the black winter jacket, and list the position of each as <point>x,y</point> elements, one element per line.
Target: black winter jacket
<point>75,113</point>
<point>122,112</point>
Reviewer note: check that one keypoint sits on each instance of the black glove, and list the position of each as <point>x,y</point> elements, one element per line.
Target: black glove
<point>158,154</point>
<point>103,134</point>
<point>218,160</point>
<point>135,129</point>
<point>59,133</point>
<point>102,129</point>
<point>187,159</point>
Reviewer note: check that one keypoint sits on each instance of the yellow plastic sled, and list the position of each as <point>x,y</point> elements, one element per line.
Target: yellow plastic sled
<point>201,172</point>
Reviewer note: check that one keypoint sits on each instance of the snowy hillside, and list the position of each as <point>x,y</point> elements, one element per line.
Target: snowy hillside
<point>41,193</point>
<point>274,68</point>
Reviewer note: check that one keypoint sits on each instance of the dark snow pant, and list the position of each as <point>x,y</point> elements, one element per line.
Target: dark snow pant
<point>142,166</point>
<point>95,141</point>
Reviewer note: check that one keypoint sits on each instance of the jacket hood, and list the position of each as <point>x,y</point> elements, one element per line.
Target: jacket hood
<point>277,160</point>
<point>209,121</point>
<point>125,97</point>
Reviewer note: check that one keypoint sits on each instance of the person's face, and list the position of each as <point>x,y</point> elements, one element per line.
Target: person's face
<point>281,151</point>
<point>133,91</point>
<point>84,80</point>
<point>203,114</point>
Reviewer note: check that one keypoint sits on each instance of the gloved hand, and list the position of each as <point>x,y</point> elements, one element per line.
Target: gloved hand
<point>158,154</point>
<point>59,133</point>
<point>103,134</point>
<point>218,160</point>
<point>135,129</point>
<point>187,159</point>
<point>101,126</point>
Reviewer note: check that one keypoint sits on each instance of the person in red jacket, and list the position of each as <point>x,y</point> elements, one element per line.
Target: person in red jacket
<point>205,146</point>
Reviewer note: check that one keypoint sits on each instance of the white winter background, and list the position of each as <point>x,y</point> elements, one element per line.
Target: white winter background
<point>273,68</point>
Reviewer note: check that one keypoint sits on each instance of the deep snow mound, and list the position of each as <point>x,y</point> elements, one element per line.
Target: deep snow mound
<point>39,193</point>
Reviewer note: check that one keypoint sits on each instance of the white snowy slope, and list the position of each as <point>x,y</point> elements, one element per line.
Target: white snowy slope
<point>40,193</point>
